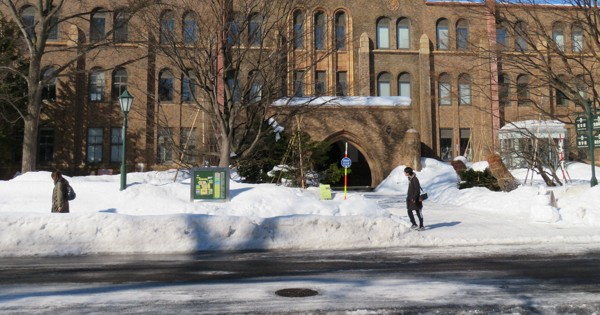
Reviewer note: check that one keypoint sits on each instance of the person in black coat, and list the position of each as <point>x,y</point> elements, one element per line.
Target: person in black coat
<point>413,202</point>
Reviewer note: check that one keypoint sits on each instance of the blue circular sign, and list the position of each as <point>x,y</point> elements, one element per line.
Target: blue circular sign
<point>346,162</point>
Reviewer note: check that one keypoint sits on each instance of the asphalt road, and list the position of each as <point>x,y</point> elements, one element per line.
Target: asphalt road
<point>567,283</point>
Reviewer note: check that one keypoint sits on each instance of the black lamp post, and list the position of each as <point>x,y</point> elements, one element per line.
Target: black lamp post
<point>125,100</point>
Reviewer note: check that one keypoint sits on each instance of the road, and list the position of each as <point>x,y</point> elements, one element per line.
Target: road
<point>412,281</point>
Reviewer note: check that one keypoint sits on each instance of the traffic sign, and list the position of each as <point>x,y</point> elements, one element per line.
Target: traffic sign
<point>583,140</point>
<point>581,123</point>
<point>596,122</point>
<point>346,162</point>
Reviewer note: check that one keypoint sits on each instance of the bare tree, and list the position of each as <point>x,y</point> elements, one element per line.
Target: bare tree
<point>236,59</point>
<point>38,22</point>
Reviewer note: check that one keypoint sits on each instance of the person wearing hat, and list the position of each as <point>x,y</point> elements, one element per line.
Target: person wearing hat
<point>413,202</point>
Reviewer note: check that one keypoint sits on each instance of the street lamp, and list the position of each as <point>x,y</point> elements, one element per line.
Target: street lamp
<point>125,100</point>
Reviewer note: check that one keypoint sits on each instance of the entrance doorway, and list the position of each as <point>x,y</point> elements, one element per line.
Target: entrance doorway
<point>360,177</point>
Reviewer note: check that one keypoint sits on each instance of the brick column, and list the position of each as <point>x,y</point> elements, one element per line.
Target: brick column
<point>364,66</point>
<point>425,103</point>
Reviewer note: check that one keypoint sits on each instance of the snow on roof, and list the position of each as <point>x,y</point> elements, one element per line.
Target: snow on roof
<point>345,101</point>
<point>536,127</point>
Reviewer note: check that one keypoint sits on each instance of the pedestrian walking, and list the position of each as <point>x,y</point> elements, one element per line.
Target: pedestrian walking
<point>60,203</point>
<point>413,201</point>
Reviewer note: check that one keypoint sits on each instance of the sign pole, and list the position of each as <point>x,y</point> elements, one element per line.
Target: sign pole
<point>345,171</point>
<point>591,144</point>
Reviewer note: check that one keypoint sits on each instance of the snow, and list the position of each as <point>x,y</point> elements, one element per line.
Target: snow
<point>346,101</point>
<point>154,215</point>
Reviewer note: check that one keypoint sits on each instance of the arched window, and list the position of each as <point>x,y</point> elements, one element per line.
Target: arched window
<point>384,84</point>
<point>404,84</point>
<point>340,30</point>
<point>119,82</point>
<point>504,89</point>
<point>558,36</point>
<point>165,85</point>
<point>98,25</point>
<point>121,27</point>
<point>462,34</point>
<point>383,33</point>
<point>96,85</point>
<point>521,37</point>
<point>233,84</point>
<point>255,32</point>
<point>577,38</point>
<point>53,28</point>
<point>403,33</point>
<point>523,90</point>
<point>234,33</point>
<point>464,89</point>
<point>28,18</point>
<point>444,90</point>
<point>320,31</point>
<point>167,27</point>
<point>298,29</point>
<point>190,28</point>
<point>442,34</point>
<point>49,91</point>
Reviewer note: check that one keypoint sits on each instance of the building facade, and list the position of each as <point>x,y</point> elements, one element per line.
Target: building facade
<point>444,56</point>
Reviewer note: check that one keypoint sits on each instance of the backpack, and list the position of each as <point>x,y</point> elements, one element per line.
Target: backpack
<point>70,194</point>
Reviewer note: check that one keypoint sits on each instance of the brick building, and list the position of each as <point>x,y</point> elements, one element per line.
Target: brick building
<point>439,54</point>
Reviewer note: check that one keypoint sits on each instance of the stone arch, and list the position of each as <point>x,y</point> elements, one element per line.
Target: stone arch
<point>362,146</point>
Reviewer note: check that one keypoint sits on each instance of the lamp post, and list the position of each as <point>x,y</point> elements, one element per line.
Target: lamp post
<point>591,142</point>
<point>125,100</point>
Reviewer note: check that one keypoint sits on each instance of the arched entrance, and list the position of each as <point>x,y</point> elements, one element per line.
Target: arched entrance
<point>360,177</point>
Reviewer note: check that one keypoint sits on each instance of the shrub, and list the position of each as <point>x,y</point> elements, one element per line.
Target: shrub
<point>471,178</point>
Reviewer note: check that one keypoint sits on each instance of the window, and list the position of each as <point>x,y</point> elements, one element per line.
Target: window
<point>188,89</point>
<point>442,34</point>
<point>464,89</point>
<point>462,35</point>
<point>164,149</point>
<point>233,33</point>
<point>28,18</point>
<point>560,97</point>
<point>446,144</point>
<point>255,30</point>
<point>165,85</point>
<point>341,83</point>
<point>256,86</point>
<point>403,33</point>
<point>465,143</point>
<point>384,84</point>
<point>98,25</point>
<point>521,37</point>
<point>119,82</point>
<point>577,38</point>
<point>298,83</point>
<point>94,145</point>
<point>298,30</point>
<point>383,33</point>
<point>188,144</point>
<point>233,84</point>
<point>581,87</point>
<point>444,90</point>
<point>558,36</point>
<point>46,145</point>
<point>404,84</point>
<point>340,30</point>
<point>320,83</point>
<point>121,31</point>
<point>503,90</point>
<point>190,29</point>
<point>167,27</point>
<point>523,90</point>
<point>320,31</point>
<point>96,87</point>
<point>501,38</point>
<point>116,145</point>
<point>53,26</point>
<point>49,91</point>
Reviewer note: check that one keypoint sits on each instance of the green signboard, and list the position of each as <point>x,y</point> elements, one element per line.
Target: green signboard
<point>210,184</point>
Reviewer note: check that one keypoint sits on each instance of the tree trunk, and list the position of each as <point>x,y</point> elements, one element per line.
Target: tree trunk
<point>225,150</point>
<point>30,140</point>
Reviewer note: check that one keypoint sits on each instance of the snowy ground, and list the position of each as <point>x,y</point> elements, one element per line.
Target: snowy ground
<point>154,215</point>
